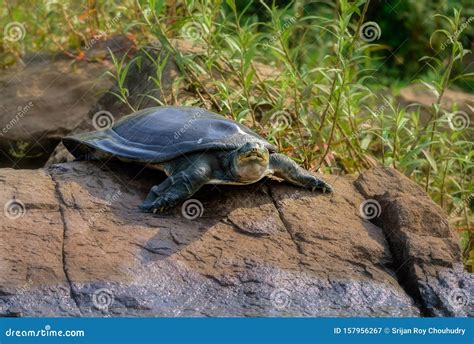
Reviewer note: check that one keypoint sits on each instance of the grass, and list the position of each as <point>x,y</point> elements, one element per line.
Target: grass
<point>325,105</point>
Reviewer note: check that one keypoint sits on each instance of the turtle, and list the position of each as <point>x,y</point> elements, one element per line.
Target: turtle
<point>194,147</point>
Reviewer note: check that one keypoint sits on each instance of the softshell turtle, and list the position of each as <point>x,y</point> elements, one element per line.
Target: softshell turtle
<point>193,147</point>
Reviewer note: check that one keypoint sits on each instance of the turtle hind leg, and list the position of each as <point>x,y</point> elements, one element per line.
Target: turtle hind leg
<point>285,168</point>
<point>91,155</point>
<point>175,189</point>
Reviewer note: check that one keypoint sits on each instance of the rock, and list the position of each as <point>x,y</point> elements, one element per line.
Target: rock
<point>41,102</point>
<point>452,100</point>
<point>100,46</point>
<point>79,246</point>
<point>424,247</point>
<point>142,91</point>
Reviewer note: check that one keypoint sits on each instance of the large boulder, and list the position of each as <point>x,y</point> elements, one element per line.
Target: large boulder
<point>457,104</point>
<point>424,247</point>
<point>43,100</point>
<point>452,99</point>
<point>73,243</point>
<point>141,89</point>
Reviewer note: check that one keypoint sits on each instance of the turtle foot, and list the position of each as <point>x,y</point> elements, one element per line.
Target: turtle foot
<point>148,209</point>
<point>317,184</point>
<point>159,205</point>
<point>152,209</point>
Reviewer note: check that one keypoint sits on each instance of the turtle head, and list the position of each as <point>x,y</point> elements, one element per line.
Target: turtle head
<point>249,162</point>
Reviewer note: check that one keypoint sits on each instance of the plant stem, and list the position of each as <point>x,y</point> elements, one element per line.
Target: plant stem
<point>436,112</point>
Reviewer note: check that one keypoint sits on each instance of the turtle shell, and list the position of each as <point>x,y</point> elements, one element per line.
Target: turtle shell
<point>159,134</point>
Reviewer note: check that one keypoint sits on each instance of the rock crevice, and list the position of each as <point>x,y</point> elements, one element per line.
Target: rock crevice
<point>62,204</point>
<point>285,223</point>
<point>424,248</point>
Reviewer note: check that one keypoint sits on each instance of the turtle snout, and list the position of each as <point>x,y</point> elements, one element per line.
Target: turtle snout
<point>255,152</point>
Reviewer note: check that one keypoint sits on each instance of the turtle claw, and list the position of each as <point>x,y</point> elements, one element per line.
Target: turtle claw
<point>327,188</point>
<point>317,184</point>
<point>159,205</point>
<point>152,209</point>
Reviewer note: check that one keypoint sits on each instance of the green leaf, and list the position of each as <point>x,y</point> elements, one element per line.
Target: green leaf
<point>431,160</point>
<point>231,4</point>
<point>159,6</point>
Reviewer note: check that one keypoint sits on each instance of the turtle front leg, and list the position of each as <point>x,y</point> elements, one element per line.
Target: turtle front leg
<point>285,168</point>
<point>155,192</point>
<point>175,189</point>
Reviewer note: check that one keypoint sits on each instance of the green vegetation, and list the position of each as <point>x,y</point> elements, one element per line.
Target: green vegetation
<point>330,102</point>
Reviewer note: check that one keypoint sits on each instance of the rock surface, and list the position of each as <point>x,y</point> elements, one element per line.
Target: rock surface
<point>459,104</point>
<point>418,94</point>
<point>79,246</point>
<point>41,102</point>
